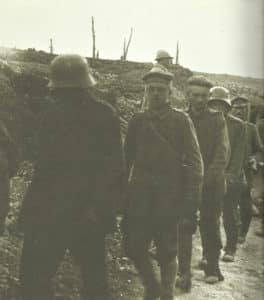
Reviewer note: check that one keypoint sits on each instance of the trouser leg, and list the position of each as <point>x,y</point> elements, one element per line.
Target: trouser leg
<point>89,252</point>
<point>210,234</point>
<point>168,274</point>
<point>148,277</point>
<point>4,201</point>
<point>138,240</point>
<point>210,231</point>
<point>230,218</point>
<point>203,241</point>
<point>210,212</point>
<point>245,210</point>
<point>166,241</point>
<point>184,251</point>
<point>41,255</point>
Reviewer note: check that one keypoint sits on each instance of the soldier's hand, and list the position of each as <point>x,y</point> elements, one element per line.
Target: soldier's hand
<point>252,163</point>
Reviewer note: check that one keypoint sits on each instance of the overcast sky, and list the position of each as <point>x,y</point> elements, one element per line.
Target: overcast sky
<point>217,36</point>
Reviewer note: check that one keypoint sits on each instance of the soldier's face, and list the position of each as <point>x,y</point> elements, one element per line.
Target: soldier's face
<point>240,112</point>
<point>198,97</point>
<point>166,62</point>
<point>219,106</point>
<point>157,94</point>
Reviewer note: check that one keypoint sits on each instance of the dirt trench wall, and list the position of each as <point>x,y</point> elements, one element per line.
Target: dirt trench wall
<point>24,94</point>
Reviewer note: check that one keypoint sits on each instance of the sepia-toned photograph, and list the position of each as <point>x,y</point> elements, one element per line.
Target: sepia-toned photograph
<point>131,150</point>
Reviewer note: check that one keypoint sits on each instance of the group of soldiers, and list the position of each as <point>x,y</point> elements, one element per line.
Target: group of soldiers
<point>175,171</point>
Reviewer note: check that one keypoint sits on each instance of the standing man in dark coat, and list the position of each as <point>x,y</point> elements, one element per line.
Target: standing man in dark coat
<point>241,109</point>
<point>71,201</point>
<point>220,101</point>
<point>8,166</point>
<point>212,135</point>
<point>165,172</point>
<point>164,62</point>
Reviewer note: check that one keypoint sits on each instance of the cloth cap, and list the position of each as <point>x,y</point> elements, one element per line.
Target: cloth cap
<point>158,74</point>
<point>240,101</point>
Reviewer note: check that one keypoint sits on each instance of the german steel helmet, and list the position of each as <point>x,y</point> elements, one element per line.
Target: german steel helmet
<point>219,93</point>
<point>70,71</point>
<point>162,54</point>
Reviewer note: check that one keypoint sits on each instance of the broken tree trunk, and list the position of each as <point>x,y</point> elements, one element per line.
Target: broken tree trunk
<point>177,54</point>
<point>128,44</point>
<point>93,32</point>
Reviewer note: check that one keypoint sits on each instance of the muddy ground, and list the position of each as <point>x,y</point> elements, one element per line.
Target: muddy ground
<point>243,278</point>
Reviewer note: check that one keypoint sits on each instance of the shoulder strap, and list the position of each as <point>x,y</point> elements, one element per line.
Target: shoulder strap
<point>163,140</point>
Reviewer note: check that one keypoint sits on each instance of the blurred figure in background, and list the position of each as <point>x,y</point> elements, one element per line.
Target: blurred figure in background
<point>253,147</point>
<point>213,139</point>
<point>220,101</point>
<point>258,179</point>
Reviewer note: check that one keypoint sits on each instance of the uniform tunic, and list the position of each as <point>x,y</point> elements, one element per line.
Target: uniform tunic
<point>164,158</point>
<point>213,138</point>
<point>71,201</point>
<point>237,138</point>
<point>79,165</point>
<point>165,172</point>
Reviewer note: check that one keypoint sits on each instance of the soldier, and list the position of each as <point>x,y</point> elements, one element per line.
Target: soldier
<point>220,101</point>
<point>164,62</point>
<point>8,167</point>
<point>241,109</point>
<point>70,203</point>
<point>165,173</point>
<point>164,59</point>
<point>214,144</point>
<point>260,173</point>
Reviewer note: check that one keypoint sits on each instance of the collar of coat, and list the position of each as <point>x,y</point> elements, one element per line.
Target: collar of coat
<point>198,116</point>
<point>159,114</point>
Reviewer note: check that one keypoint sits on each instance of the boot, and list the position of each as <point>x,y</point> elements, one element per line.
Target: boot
<point>184,283</point>
<point>149,279</point>
<point>219,274</point>
<point>213,273</point>
<point>168,274</point>
<point>259,232</point>
<point>229,256</point>
<point>214,277</point>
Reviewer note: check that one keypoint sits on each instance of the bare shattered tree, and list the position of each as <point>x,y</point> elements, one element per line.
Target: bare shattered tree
<point>177,54</point>
<point>93,32</point>
<point>51,46</point>
<point>126,45</point>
